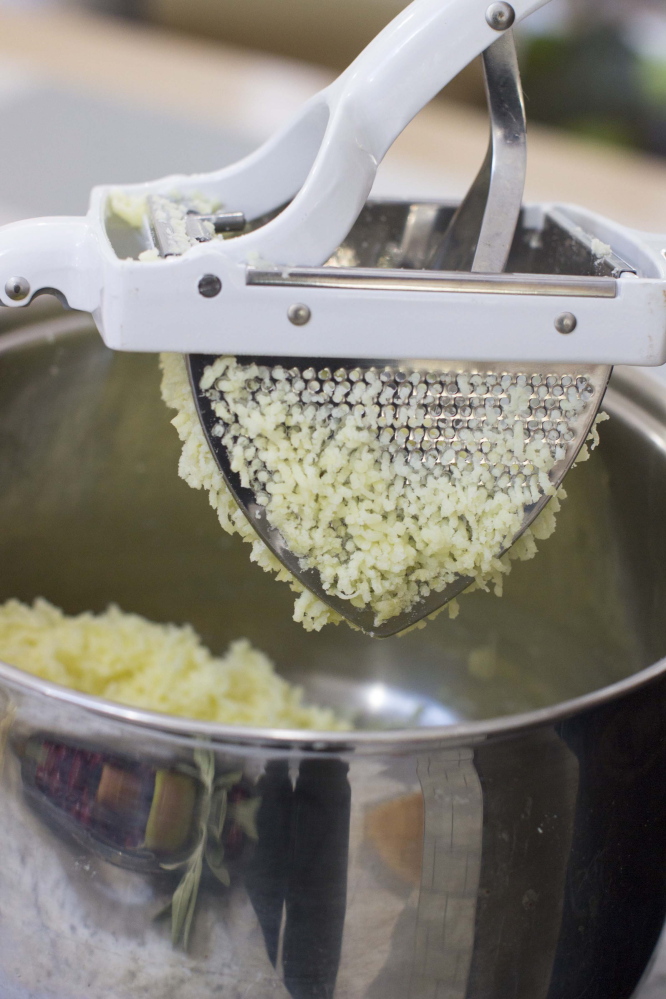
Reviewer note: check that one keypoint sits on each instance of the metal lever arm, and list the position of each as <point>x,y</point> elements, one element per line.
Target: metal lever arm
<point>481,232</point>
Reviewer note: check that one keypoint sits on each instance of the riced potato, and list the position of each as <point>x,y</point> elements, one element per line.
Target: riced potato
<point>159,667</point>
<point>381,532</point>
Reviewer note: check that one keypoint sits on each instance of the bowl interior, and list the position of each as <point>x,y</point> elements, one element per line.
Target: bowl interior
<point>93,512</point>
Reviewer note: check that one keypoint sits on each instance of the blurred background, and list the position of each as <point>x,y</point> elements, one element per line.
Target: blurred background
<point>596,67</point>
<point>104,91</point>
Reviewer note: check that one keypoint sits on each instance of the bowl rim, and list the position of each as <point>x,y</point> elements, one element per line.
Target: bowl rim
<point>644,399</point>
<point>357,742</point>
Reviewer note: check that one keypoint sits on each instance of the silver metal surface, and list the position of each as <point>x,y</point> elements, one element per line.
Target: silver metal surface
<point>456,283</point>
<point>500,16</point>
<point>210,286</point>
<point>604,257</point>
<point>168,241</point>
<point>17,288</point>
<point>440,417</point>
<point>516,851</point>
<point>197,229</point>
<point>482,231</point>
<point>402,236</point>
<point>299,315</point>
<point>566,323</point>
<point>174,225</point>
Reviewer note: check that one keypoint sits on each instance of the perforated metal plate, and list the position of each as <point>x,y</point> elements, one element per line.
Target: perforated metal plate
<point>435,416</point>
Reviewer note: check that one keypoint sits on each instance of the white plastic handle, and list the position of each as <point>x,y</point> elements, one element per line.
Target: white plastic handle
<point>323,164</point>
<point>351,126</point>
<point>57,254</point>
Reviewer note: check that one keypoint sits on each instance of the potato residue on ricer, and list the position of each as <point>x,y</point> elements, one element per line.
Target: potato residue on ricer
<point>160,667</point>
<point>380,531</point>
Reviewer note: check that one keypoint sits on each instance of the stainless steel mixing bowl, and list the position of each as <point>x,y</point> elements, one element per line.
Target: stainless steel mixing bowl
<point>495,831</point>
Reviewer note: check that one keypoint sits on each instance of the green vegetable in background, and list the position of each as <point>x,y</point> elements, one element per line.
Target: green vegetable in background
<point>593,82</point>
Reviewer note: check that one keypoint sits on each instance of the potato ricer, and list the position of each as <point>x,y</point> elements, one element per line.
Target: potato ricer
<point>280,260</point>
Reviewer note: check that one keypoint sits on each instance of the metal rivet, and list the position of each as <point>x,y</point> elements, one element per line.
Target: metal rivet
<point>210,286</point>
<point>500,16</point>
<point>17,288</point>
<point>566,323</point>
<point>299,315</point>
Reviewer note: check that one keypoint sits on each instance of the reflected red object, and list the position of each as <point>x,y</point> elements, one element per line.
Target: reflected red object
<point>108,797</point>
